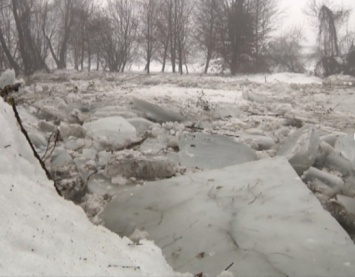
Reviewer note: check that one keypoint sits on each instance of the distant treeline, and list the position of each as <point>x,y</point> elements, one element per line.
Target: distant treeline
<point>234,34</point>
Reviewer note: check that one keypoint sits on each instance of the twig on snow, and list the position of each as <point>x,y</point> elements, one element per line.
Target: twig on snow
<point>228,267</point>
<point>56,133</point>
<point>23,130</point>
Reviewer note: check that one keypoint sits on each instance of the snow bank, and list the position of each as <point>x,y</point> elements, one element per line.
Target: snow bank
<point>43,234</point>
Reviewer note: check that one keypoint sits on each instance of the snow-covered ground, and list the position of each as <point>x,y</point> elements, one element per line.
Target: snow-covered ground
<point>44,235</point>
<point>107,147</point>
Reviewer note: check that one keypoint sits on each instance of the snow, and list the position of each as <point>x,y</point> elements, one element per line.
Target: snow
<point>44,235</point>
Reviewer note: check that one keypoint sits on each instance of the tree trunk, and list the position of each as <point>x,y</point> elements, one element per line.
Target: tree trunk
<point>180,52</point>
<point>165,55</point>
<point>8,55</point>
<point>21,40</point>
<point>97,61</point>
<point>208,60</point>
<point>89,58</point>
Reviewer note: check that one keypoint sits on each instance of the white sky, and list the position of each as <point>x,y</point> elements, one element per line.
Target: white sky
<point>294,15</point>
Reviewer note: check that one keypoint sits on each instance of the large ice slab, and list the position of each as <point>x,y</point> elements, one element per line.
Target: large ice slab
<point>212,151</point>
<point>258,216</point>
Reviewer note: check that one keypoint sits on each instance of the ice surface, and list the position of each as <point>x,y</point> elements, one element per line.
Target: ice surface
<point>156,112</point>
<point>111,133</point>
<point>301,148</point>
<point>212,151</point>
<point>42,234</point>
<point>259,216</point>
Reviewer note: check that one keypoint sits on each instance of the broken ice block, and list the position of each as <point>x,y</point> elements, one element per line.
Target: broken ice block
<point>345,145</point>
<point>301,148</point>
<point>336,161</point>
<point>156,112</point>
<point>325,177</point>
<point>111,133</point>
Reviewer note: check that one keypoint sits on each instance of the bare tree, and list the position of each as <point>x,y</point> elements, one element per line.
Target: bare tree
<point>244,29</point>
<point>313,7</point>
<point>95,29</point>
<point>77,41</point>
<point>119,40</point>
<point>347,41</point>
<point>179,20</point>
<point>330,18</point>
<point>327,35</point>
<point>206,32</point>
<point>8,42</point>
<point>57,25</point>
<point>172,25</point>
<point>163,32</point>
<point>183,11</point>
<point>319,13</point>
<point>149,20</point>
<point>238,46</point>
<point>285,51</point>
<point>350,61</point>
<point>265,14</point>
<point>32,47</point>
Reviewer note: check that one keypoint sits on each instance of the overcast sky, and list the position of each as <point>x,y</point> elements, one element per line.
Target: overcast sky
<point>293,15</point>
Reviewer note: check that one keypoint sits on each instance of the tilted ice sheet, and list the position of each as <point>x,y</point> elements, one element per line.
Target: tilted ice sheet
<point>258,215</point>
